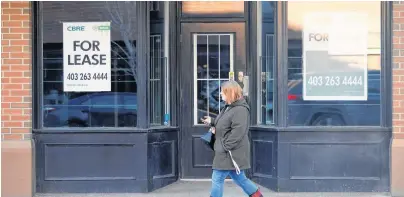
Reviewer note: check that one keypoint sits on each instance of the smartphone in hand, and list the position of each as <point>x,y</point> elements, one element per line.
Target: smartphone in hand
<point>206,120</point>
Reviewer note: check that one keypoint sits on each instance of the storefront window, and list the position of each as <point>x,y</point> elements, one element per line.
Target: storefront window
<point>266,59</point>
<point>115,108</point>
<point>334,63</point>
<point>159,72</point>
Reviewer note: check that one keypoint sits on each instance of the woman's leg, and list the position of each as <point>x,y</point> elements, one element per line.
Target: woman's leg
<point>218,177</point>
<point>246,184</point>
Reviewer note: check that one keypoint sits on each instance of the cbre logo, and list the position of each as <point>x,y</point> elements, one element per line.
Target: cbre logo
<point>75,28</point>
<point>101,27</point>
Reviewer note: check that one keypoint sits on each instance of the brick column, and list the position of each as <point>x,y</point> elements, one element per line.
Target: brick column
<point>17,168</point>
<point>397,156</point>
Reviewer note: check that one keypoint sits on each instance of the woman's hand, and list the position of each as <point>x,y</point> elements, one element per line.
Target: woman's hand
<point>213,130</point>
<point>207,120</point>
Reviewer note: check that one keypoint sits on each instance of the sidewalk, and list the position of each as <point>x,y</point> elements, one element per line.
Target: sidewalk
<point>201,189</point>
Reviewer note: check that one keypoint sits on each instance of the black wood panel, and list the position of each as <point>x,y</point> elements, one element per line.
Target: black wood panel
<point>86,165</point>
<point>335,161</point>
<point>106,162</point>
<point>264,157</point>
<point>199,147</point>
<point>162,158</point>
<point>91,162</point>
<point>332,161</point>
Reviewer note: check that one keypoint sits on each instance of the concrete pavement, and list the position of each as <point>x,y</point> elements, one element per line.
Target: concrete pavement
<point>201,189</point>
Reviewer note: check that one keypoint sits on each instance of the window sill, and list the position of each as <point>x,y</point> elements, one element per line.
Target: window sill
<point>91,130</point>
<point>271,128</point>
<point>106,130</point>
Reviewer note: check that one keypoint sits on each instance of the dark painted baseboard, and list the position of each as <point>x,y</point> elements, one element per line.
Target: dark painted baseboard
<point>124,162</point>
<point>112,186</point>
<point>283,161</point>
<point>288,160</point>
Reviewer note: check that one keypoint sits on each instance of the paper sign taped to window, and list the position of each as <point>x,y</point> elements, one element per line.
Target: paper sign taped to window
<point>231,76</point>
<point>87,56</point>
<point>335,56</point>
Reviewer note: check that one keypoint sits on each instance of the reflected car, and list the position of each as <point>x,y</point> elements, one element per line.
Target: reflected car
<point>94,110</point>
<point>334,113</point>
<point>213,96</point>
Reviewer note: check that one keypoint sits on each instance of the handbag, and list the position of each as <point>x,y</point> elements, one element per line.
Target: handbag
<point>209,139</point>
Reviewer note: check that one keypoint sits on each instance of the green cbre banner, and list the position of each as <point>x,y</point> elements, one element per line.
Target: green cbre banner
<point>104,28</point>
<point>335,56</point>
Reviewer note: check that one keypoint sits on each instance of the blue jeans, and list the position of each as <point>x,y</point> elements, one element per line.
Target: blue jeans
<point>218,177</point>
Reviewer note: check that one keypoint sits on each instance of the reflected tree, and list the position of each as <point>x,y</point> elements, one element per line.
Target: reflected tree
<point>123,22</point>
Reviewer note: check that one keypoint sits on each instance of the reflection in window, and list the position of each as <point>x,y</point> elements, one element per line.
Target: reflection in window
<point>266,54</point>
<point>212,66</point>
<point>346,112</point>
<point>159,102</point>
<point>90,109</point>
<point>213,8</point>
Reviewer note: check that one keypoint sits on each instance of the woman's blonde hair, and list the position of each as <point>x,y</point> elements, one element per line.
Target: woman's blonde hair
<point>232,90</point>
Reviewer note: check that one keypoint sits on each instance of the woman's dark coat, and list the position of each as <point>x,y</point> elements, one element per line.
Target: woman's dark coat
<point>232,135</point>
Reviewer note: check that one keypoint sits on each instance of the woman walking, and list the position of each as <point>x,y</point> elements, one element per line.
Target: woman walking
<point>232,146</point>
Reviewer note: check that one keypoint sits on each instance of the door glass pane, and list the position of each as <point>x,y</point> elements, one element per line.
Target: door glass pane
<point>224,56</point>
<point>213,66</point>
<point>221,104</point>
<point>214,102</point>
<point>201,100</point>
<point>217,55</point>
<point>202,56</point>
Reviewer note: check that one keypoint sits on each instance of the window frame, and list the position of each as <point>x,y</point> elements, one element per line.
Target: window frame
<point>281,56</point>
<point>196,79</point>
<point>386,68</point>
<point>166,105</point>
<point>259,56</point>
<point>37,77</point>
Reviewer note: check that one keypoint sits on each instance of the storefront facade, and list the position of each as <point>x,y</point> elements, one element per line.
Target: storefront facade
<point>322,79</point>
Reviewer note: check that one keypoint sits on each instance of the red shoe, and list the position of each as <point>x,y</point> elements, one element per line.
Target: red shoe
<point>257,194</point>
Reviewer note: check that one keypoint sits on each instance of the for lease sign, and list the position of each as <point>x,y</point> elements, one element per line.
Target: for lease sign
<point>86,56</point>
<point>335,56</point>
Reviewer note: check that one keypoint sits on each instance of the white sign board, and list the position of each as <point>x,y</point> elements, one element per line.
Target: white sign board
<point>335,56</point>
<point>86,56</point>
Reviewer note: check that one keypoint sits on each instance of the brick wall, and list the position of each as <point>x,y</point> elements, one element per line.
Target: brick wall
<point>398,69</point>
<point>15,71</point>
